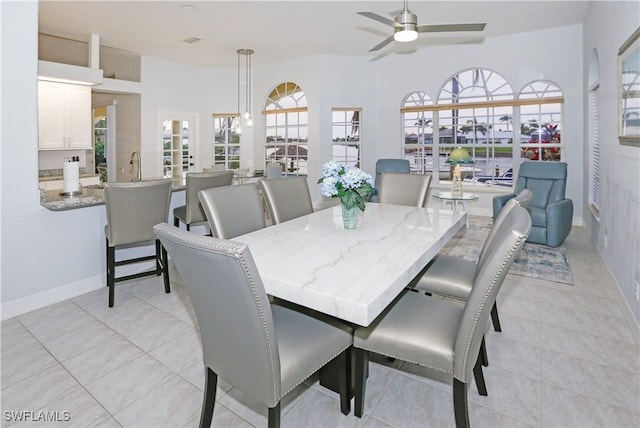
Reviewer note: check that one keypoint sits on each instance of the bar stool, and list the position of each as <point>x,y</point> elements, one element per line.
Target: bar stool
<point>133,208</point>
<point>192,212</point>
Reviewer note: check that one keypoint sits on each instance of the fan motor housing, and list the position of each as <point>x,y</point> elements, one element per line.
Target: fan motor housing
<point>408,20</point>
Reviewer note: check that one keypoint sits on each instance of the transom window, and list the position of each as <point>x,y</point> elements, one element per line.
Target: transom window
<point>226,144</point>
<point>286,119</point>
<point>346,135</point>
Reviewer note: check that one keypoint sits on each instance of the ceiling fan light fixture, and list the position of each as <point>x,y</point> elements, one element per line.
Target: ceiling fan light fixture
<point>404,35</point>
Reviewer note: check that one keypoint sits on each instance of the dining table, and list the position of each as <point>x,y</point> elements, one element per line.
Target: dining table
<point>353,275</point>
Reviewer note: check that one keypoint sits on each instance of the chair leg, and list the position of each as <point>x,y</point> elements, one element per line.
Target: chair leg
<point>362,361</point>
<point>274,416</point>
<point>460,406</point>
<point>344,378</point>
<point>176,222</point>
<point>159,269</point>
<point>111,273</point>
<point>209,400</point>
<point>494,317</point>
<point>484,358</point>
<point>479,377</point>
<point>165,269</point>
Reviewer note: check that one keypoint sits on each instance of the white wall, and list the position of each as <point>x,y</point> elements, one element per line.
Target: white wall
<point>41,250</point>
<point>66,248</point>
<point>607,26</point>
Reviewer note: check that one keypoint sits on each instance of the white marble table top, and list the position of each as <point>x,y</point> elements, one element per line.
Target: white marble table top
<point>350,274</point>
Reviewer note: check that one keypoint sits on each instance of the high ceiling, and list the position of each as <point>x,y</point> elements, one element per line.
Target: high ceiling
<point>279,30</point>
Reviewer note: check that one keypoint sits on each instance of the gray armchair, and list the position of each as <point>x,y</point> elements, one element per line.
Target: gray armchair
<point>264,350</point>
<point>551,212</point>
<point>401,166</point>
<point>440,334</point>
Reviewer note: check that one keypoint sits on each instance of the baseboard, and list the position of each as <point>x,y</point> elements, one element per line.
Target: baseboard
<point>45,298</point>
<point>634,324</point>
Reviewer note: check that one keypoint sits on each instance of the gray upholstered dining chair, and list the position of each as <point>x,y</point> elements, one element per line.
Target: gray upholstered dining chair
<point>286,198</point>
<point>452,277</point>
<point>401,166</point>
<point>192,212</point>
<point>133,208</point>
<point>274,170</point>
<point>404,189</point>
<point>233,210</point>
<point>441,334</point>
<point>264,350</point>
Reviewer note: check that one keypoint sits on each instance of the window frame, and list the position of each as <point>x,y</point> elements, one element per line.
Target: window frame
<point>286,111</point>
<point>349,140</point>
<point>226,158</point>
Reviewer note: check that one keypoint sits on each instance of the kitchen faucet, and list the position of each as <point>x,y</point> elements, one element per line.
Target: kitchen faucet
<point>135,156</point>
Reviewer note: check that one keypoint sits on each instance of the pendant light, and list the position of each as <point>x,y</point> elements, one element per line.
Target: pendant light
<point>238,127</point>
<point>248,118</point>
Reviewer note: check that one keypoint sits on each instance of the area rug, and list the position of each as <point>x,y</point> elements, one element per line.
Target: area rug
<point>533,261</point>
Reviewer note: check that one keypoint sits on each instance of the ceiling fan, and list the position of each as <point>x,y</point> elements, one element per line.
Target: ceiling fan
<point>406,27</point>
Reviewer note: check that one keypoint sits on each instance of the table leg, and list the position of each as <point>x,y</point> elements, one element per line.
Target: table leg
<point>465,207</point>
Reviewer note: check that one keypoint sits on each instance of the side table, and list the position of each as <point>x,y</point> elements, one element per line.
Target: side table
<point>454,200</point>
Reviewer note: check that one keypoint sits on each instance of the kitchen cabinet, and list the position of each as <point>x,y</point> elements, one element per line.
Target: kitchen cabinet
<point>64,116</point>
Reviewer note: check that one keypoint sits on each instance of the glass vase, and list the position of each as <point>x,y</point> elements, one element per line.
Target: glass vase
<point>349,217</point>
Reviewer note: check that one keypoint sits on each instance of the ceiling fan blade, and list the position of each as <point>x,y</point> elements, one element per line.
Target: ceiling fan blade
<point>450,27</point>
<point>378,18</point>
<point>382,44</point>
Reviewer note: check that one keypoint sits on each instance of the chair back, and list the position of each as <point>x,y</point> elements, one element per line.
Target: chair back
<point>287,198</point>
<point>232,308</point>
<point>547,181</point>
<point>133,208</point>
<point>404,189</point>
<point>197,181</point>
<point>274,170</point>
<point>401,166</point>
<point>522,199</point>
<point>233,210</point>
<point>509,238</point>
<point>215,168</point>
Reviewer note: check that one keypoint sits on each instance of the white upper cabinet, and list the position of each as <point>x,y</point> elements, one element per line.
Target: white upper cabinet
<point>64,116</point>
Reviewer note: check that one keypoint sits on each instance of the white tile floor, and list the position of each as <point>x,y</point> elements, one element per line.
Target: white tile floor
<point>566,357</point>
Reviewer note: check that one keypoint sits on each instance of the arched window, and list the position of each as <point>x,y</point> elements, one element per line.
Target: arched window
<point>541,121</point>
<point>475,111</point>
<point>286,120</point>
<point>417,131</point>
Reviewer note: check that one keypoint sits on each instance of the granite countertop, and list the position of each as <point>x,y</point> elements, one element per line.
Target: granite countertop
<point>56,174</point>
<point>91,196</point>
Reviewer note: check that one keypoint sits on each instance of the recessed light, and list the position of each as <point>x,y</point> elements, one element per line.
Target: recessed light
<point>192,40</point>
<point>187,6</point>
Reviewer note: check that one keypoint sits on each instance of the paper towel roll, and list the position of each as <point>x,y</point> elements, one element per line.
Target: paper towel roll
<point>71,177</point>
